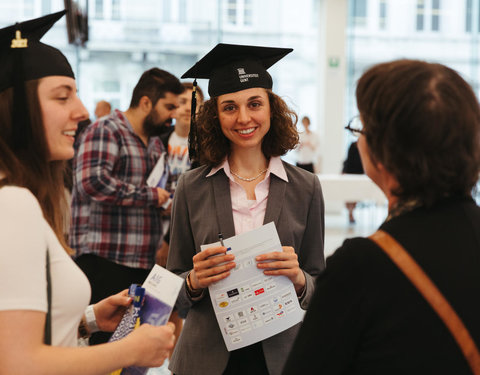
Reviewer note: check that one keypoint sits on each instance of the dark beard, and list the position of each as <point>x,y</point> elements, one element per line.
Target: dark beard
<point>152,128</point>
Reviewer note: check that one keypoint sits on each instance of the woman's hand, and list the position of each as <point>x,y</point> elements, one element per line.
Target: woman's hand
<point>151,344</point>
<point>109,311</point>
<point>283,263</point>
<point>210,266</point>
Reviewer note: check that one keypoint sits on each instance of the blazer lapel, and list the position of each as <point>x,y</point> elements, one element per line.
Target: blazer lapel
<point>223,204</point>
<point>276,195</point>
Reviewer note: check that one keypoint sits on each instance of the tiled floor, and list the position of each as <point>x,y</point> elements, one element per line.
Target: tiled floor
<point>368,218</point>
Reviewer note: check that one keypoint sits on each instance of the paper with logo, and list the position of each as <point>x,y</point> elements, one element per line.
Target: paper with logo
<point>249,305</point>
<point>161,291</point>
<point>159,174</point>
<point>131,317</point>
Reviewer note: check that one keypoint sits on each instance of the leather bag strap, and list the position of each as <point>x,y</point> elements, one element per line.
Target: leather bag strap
<point>432,295</point>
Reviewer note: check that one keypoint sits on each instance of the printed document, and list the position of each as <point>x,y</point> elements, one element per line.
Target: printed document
<point>158,176</point>
<point>249,305</point>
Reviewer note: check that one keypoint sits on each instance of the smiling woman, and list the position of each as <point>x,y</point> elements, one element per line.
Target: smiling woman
<point>244,117</point>
<point>62,110</point>
<point>242,184</point>
<point>39,113</point>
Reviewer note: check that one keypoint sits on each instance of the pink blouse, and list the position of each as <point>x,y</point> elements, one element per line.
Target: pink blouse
<point>249,214</point>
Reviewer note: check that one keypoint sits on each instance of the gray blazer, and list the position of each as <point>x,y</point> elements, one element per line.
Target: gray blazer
<point>201,209</point>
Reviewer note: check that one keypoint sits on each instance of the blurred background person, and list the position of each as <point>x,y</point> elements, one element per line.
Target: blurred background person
<point>420,143</point>
<point>308,147</point>
<point>175,139</point>
<point>353,165</point>
<point>102,108</point>
<point>116,225</point>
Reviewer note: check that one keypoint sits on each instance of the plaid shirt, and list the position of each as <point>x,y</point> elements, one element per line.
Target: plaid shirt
<point>114,212</point>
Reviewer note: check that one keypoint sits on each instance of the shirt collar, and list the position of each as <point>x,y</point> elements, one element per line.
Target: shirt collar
<point>123,119</point>
<point>274,167</point>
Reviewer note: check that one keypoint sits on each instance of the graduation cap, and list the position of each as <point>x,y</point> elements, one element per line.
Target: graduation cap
<point>235,67</point>
<point>23,58</point>
<point>231,68</point>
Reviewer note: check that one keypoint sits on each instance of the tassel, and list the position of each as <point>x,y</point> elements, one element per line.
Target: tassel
<point>192,136</point>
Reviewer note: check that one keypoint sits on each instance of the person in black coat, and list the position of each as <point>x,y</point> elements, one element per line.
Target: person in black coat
<point>352,165</point>
<point>420,143</point>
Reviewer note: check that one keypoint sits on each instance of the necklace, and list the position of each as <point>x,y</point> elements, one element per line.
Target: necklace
<point>249,179</point>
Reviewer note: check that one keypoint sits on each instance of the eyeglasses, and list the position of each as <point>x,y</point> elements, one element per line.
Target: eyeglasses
<point>355,126</point>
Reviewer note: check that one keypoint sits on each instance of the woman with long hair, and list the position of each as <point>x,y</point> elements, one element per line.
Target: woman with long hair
<point>43,309</point>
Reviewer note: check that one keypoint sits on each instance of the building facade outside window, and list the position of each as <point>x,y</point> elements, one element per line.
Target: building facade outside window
<point>116,9</point>
<point>127,37</point>
<point>418,29</point>
<point>358,13</point>
<point>99,9</point>
<point>420,15</point>
<point>435,15</point>
<point>382,22</point>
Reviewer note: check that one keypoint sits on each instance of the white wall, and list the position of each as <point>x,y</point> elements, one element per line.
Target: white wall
<point>332,57</point>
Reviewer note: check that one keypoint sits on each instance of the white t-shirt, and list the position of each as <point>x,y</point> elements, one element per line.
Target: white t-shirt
<point>178,160</point>
<point>308,148</point>
<point>24,237</point>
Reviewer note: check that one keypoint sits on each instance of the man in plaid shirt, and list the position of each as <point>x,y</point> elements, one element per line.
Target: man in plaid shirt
<point>116,217</point>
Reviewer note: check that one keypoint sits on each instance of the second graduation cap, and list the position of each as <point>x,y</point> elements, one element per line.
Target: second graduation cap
<point>37,59</point>
<point>233,67</point>
<point>23,58</point>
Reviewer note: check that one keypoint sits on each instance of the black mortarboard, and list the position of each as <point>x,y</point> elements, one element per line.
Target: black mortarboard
<point>231,68</point>
<point>234,67</point>
<point>23,58</point>
<point>39,59</point>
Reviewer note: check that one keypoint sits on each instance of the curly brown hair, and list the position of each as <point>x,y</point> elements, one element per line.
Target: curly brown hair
<point>212,145</point>
<point>422,122</point>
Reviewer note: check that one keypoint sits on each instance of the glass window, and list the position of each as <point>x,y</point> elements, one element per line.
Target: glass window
<point>29,8</point>
<point>116,9</point>
<point>152,33</point>
<point>382,24</point>
<point>420,14</point>
<point>468,16</point>
<point>366,48</point>
<point>166,11</point>
<point>46,6</point>
<point>99,9</point>
<point>247,12</point>
<point>478,19</point>
<point>232,12</point>
<point>358,12</point>
<point>315,12</point>
<point>238,13</point>
<point>435,15</point>
<point>182,11</point>
<point>107,86</point>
